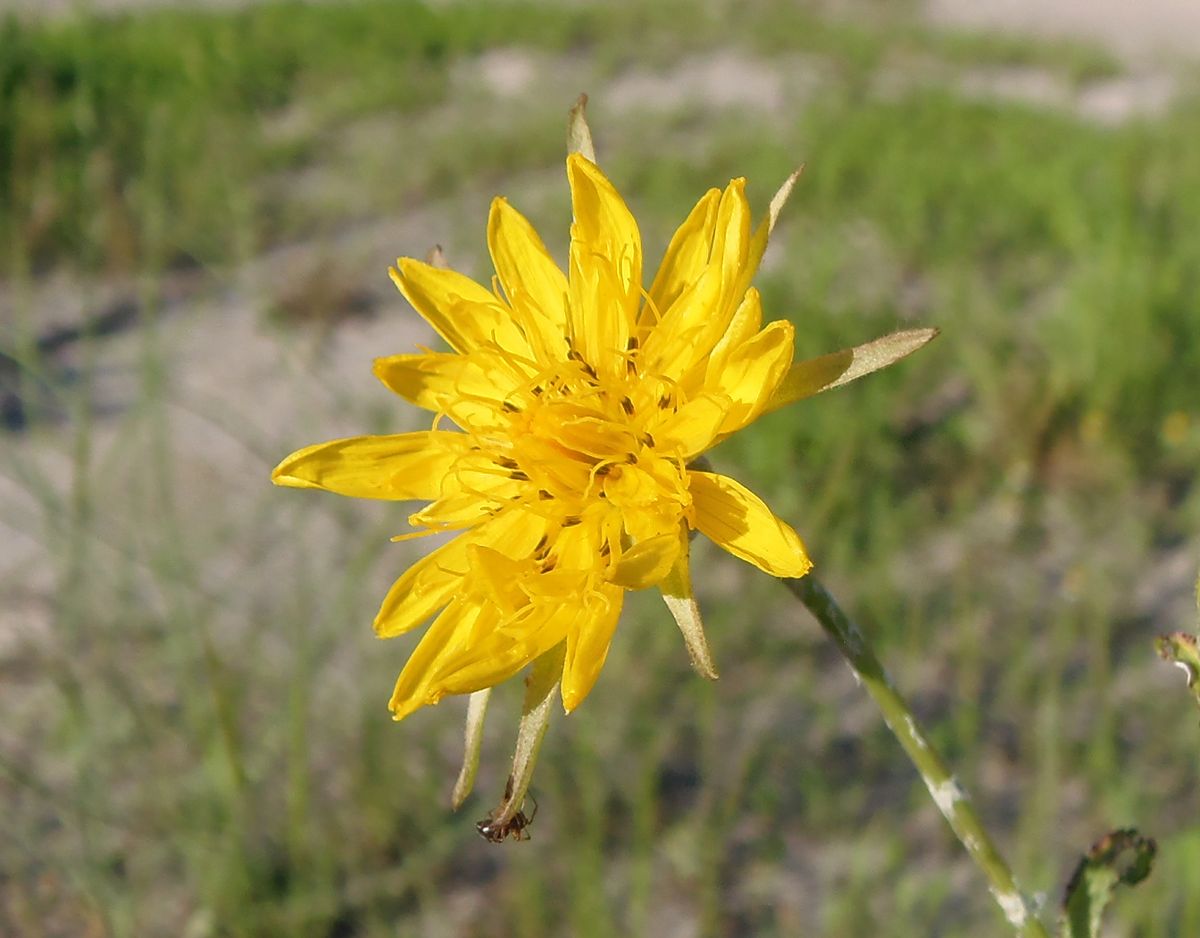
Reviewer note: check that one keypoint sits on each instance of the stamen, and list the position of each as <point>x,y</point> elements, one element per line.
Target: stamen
<point>625,265</point>
<point>588,370</point>
<point>650,305</point>
<point>496,466</point>
<point>600,470</point>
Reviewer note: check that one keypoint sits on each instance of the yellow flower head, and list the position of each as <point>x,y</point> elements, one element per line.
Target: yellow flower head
<point>567,419</point>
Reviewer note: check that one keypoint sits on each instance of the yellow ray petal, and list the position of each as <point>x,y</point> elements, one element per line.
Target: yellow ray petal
<point>605,266</point>
<point>681,338</point>
<point>427,379</point>
<point>475,488</point>
<point>499,576</point>
<point>731,239</point>
<point>462,312</point>
<point>738,520</point>
<point>450,632</point>
<point>587,644</point>
<point>398,466</point>
<point>463,508</point>
<point>685,259</point>
<point>752,372</point>
<point>423,589</point>
<point>497,654</point>
<point>699,315</point>
<point>646,563</point>
<point>432,581</point>
<point>469,389</point>
<point>693,428</point>
<point>531,280</point>
<point>746,322</point>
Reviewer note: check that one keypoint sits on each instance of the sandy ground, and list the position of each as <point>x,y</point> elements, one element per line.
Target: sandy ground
<point>1138,30</point>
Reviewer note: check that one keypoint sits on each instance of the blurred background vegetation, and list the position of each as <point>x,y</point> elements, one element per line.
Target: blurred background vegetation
<point>197,208</point>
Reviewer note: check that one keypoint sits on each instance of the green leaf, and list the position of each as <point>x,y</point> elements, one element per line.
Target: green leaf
<point>1122,857</point>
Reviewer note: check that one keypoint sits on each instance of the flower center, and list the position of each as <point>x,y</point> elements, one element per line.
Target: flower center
<point>583,446</point>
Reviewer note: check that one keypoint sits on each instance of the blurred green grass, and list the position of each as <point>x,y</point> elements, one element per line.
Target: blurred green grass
<point>198,744</point>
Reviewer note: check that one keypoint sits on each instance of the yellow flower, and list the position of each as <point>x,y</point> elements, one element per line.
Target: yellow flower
<point>567,420</point>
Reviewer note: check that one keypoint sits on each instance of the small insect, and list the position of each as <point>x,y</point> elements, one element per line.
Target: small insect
<point>496,833</point>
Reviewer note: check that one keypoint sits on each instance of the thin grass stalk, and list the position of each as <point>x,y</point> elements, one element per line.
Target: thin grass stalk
<point>944,788</point>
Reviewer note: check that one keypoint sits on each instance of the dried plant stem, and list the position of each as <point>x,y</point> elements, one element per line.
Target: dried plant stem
<point>949,796</point>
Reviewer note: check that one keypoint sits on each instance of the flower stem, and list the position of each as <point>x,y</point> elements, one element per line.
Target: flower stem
<point>947,794</point>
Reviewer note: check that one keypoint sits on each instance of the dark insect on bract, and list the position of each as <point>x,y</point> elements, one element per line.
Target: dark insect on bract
<point>497,832</point>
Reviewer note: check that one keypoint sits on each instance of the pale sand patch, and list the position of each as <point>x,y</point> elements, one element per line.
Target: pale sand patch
<point>1110,101</point>
<point>726,79</point>
<point>1137,31</point>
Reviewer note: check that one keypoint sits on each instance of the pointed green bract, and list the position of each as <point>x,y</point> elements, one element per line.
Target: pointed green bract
<point>541,687</point>
<point>807,378</point>
<point>579,135</point>
<point>473,739</point>
<point>677,593</point>
<point>758,244</point>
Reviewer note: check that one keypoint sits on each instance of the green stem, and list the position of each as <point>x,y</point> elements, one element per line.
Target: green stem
<point>947,794</point>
